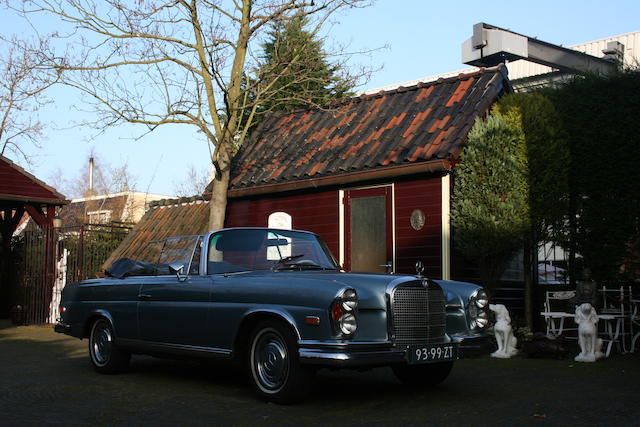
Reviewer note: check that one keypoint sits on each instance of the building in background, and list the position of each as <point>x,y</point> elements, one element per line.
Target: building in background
<point>118,208</point>
<point>525,75</point>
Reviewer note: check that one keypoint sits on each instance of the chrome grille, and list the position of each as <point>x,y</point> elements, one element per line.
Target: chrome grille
<point>418,314</point>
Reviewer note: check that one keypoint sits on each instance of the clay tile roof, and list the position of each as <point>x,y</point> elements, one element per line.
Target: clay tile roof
<point>403,126</point>
<point>18,185</point>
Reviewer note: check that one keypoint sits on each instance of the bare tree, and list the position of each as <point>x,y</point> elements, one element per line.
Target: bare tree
<point>23,81</point>
<point>194,183</point>
<point>177,61</point>
<point>106,179</point>
<point>122,179</point>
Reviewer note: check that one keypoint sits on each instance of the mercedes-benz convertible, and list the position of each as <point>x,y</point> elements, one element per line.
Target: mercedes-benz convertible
<point>277,302</point>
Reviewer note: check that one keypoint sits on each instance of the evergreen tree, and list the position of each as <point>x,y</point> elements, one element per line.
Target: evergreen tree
<point>295,71</point>
<point>547,179</point>
<point>548,159</point>
<point>600,115</point>
<point>490,212</point>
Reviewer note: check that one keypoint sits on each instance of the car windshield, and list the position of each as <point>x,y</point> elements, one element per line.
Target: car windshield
<point>232,251</point>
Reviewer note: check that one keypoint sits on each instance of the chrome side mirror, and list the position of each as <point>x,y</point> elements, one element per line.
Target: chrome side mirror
<point>177,268</point>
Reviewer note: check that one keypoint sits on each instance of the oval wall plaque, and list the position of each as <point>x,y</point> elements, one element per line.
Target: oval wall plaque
<point>417,219</point>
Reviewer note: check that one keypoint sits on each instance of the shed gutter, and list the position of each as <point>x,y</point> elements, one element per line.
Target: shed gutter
<point>33,200</point>
<point>342,179</point>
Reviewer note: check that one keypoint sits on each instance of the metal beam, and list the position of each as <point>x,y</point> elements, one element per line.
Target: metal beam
<point>490,46</point>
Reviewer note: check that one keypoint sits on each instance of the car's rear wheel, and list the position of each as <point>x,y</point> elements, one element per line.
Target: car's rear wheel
<point>106,357</point>
<point>275,370</point>
<point>427,374</point>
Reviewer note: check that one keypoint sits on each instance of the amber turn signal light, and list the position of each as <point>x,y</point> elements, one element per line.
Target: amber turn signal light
<point>312,320</point>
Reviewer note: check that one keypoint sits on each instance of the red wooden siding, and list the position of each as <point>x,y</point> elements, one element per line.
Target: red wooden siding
<point>316,212</point>
<point>425,244</point>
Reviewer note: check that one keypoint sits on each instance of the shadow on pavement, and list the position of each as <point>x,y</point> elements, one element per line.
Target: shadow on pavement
<point>47,378</point>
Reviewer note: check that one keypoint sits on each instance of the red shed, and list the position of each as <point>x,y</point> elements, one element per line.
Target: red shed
<point>370,175</point>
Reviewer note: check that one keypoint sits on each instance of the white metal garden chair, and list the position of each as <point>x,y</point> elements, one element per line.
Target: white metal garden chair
<point>555,311</point>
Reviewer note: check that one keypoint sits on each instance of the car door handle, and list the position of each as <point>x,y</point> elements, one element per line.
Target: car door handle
<point>144,297</point>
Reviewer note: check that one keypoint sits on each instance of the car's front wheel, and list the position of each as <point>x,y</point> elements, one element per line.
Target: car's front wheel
<point>427,374</point>
<point>106,357</point>
<point>276,373</point>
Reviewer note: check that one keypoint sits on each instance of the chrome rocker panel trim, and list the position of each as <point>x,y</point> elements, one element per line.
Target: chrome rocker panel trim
<point>152,347</point>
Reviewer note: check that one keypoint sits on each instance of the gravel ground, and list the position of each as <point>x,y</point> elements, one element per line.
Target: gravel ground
<point>46,378</point>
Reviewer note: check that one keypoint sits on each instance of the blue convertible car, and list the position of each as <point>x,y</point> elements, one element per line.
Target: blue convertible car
<point>277,301</point>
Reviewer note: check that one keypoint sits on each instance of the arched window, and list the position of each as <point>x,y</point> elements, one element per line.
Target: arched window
<point>281,220</point>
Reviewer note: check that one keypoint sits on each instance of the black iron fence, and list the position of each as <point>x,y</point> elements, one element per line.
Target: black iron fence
<point>48,259</point>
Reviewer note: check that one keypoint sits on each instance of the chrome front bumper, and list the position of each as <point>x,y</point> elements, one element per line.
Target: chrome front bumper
<point>474,345</point>
<point>372,354</point>
<point>349,354</point>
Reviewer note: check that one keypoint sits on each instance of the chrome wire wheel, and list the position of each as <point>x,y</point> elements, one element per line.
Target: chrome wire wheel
<point>269,360</point>
<point>101,344</point>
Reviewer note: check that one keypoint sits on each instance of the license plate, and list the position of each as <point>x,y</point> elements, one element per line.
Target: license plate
<point>432,353</point>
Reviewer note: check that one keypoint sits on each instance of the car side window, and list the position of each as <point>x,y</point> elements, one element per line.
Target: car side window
<point>179,250</point>
<point>226,256</point>
<point>194,268</point>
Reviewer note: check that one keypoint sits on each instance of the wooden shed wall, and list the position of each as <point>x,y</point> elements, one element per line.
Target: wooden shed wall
<point>316,212</point>
<point>425,244</point>
<point>319,212</point>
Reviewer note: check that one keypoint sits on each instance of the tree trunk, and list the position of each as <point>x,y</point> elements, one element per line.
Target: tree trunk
<point>218,203</point>
<point>487,278</point>
<point>573,235</point>
<point>528,267</point>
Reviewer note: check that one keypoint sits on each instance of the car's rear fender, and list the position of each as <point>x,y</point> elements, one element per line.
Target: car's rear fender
<point>94,315</point>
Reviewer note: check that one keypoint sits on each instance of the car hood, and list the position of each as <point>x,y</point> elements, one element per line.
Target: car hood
<point>370,287</point>
<point>457,293</point>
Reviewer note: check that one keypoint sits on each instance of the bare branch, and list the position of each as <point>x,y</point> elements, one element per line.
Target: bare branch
<point>23,83</point>
<point>188,62</point>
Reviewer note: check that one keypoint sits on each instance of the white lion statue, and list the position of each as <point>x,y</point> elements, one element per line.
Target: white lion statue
<point>504,333</point>
<point>590,344</point>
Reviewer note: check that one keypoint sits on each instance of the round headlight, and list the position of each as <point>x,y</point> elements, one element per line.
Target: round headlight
<point>481,299</point>
<point>482,321</point>
<point>349,300</point>
<point>477,310</point>
<point>473,310</point>
<point>348,324</point>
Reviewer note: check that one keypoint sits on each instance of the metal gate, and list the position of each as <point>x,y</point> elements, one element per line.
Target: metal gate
<point>51,258</point>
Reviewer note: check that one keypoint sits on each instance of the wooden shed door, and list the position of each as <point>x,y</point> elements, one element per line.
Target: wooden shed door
<point>368,230</point>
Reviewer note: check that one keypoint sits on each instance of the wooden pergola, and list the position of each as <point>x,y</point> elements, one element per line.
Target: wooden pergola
<point>22,193</point>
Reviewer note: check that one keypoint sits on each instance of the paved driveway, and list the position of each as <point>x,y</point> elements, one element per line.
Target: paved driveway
<point>46,378</point>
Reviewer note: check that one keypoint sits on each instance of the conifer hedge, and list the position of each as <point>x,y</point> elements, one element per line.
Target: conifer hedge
<point>562,164</point>
<point>601,117</point>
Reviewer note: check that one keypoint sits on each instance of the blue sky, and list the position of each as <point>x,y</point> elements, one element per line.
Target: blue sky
<point>423,39</point>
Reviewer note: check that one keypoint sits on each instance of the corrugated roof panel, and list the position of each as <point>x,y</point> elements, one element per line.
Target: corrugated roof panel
<point>159,223</point>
